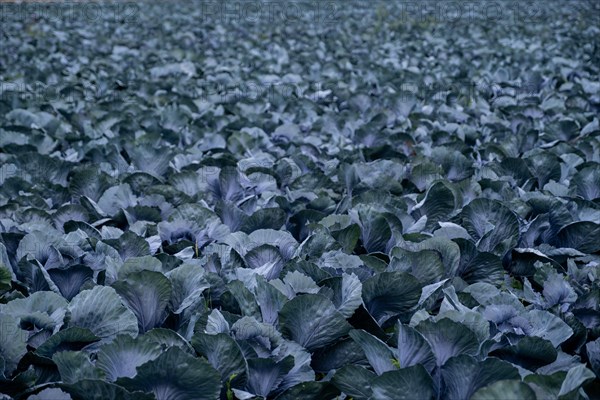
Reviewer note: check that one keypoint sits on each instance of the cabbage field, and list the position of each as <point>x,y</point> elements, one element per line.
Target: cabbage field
<point>303,200</point>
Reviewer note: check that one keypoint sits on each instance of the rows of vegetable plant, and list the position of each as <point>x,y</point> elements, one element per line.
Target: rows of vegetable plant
<point>302,200</point>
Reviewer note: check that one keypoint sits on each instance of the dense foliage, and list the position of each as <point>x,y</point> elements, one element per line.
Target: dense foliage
<point>368,202</point>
